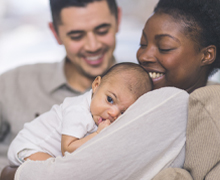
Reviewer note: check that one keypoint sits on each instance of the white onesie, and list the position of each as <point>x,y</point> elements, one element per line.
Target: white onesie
<point>43,134</point>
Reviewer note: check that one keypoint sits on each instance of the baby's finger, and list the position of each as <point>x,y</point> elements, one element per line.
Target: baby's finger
<point>107,121</point>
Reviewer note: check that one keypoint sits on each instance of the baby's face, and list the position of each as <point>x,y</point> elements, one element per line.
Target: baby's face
<point>110,99</point>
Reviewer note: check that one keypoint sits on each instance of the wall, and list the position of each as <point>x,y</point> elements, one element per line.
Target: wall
<point>25,36</point>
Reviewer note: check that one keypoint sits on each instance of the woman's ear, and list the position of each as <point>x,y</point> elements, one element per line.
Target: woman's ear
<point>209,53</point>
<point>55,33</point>
<point>96,83</point>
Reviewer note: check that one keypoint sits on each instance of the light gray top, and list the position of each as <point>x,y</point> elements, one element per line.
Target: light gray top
<point>26,92</point>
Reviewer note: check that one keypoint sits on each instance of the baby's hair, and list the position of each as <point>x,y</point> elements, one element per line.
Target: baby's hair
<point>201,19</point>
<point>134,75</point>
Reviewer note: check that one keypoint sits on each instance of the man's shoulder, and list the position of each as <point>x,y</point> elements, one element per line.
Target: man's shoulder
<point>32,68</point>
<point>30,73</point>
<point>30,76</point>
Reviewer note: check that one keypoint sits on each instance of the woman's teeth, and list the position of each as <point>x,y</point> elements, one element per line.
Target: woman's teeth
<point>155,75</point>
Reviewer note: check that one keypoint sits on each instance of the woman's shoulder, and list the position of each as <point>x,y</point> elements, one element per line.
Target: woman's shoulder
<point>212,83</point>
<point>208,95</point>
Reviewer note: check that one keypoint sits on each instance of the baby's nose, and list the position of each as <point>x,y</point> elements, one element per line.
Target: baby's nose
<point>114,113</point>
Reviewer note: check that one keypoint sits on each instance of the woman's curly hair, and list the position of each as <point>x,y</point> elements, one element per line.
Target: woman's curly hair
<point>201,19</point>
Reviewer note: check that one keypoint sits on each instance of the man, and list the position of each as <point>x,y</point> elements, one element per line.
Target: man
<point>87,29</point>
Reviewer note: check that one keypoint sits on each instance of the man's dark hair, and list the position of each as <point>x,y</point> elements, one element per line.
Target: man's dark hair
<point>201,19</point>
<point>57,5</point>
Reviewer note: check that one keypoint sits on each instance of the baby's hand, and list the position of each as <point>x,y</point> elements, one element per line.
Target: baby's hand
<point>103,125</point>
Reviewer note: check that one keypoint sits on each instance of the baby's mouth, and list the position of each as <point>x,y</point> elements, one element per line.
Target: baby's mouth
<point>100,120</point>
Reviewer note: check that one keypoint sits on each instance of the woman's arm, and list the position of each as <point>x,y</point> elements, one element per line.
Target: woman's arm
<point>70,144</point>
<point>148,137</point>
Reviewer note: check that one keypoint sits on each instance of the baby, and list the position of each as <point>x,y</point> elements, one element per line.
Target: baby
<point>78,119</point>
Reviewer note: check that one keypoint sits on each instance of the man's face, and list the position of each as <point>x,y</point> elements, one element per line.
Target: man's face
<point>88,34</point>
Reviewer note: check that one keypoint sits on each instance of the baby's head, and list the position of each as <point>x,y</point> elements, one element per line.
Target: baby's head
<point>117,89</point>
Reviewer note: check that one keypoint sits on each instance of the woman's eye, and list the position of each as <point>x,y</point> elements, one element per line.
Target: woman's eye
<point>143,45</point>
<point>166,50</point>
<point>110,99</point>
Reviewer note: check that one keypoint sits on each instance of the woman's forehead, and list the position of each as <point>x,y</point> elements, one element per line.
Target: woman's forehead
<point>164,24</point>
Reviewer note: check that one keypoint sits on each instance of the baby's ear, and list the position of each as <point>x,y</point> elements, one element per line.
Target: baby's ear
<point>209,53</point>
<point>96,83</point>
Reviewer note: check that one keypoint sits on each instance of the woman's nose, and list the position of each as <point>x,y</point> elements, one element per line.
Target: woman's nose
<point>146,54</point>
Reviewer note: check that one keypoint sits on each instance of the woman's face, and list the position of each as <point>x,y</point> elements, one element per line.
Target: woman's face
<point>169,55</point>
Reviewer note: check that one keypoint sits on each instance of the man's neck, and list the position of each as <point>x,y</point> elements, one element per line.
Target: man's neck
<point>75,79</point>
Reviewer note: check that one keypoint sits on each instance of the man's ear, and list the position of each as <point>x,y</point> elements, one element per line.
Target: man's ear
<point>209,55</point>
<point>119,18</point>
<point>96,83</point>
<point>55,33</point>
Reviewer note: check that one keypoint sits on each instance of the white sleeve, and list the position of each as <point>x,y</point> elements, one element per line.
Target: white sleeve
<point>148,137</point>
<point>34,134</point>
<point>77,121</point>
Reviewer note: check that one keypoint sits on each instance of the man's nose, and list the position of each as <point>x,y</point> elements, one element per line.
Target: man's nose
<point>147,54</point>
<point>92,43</point>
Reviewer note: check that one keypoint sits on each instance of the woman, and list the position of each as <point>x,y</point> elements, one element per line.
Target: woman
<point>179,47</point>
<point>180,43</point>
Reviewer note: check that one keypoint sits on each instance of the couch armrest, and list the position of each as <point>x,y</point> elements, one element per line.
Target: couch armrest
<point>173,174</point>
<point>8,173</point>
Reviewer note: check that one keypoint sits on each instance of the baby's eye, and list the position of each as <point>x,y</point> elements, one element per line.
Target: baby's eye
<point>110,99</point>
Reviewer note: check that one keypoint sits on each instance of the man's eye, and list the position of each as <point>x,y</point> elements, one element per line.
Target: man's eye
<point>102,32</point>
<point>76,38</point>
<point>110,99</point>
